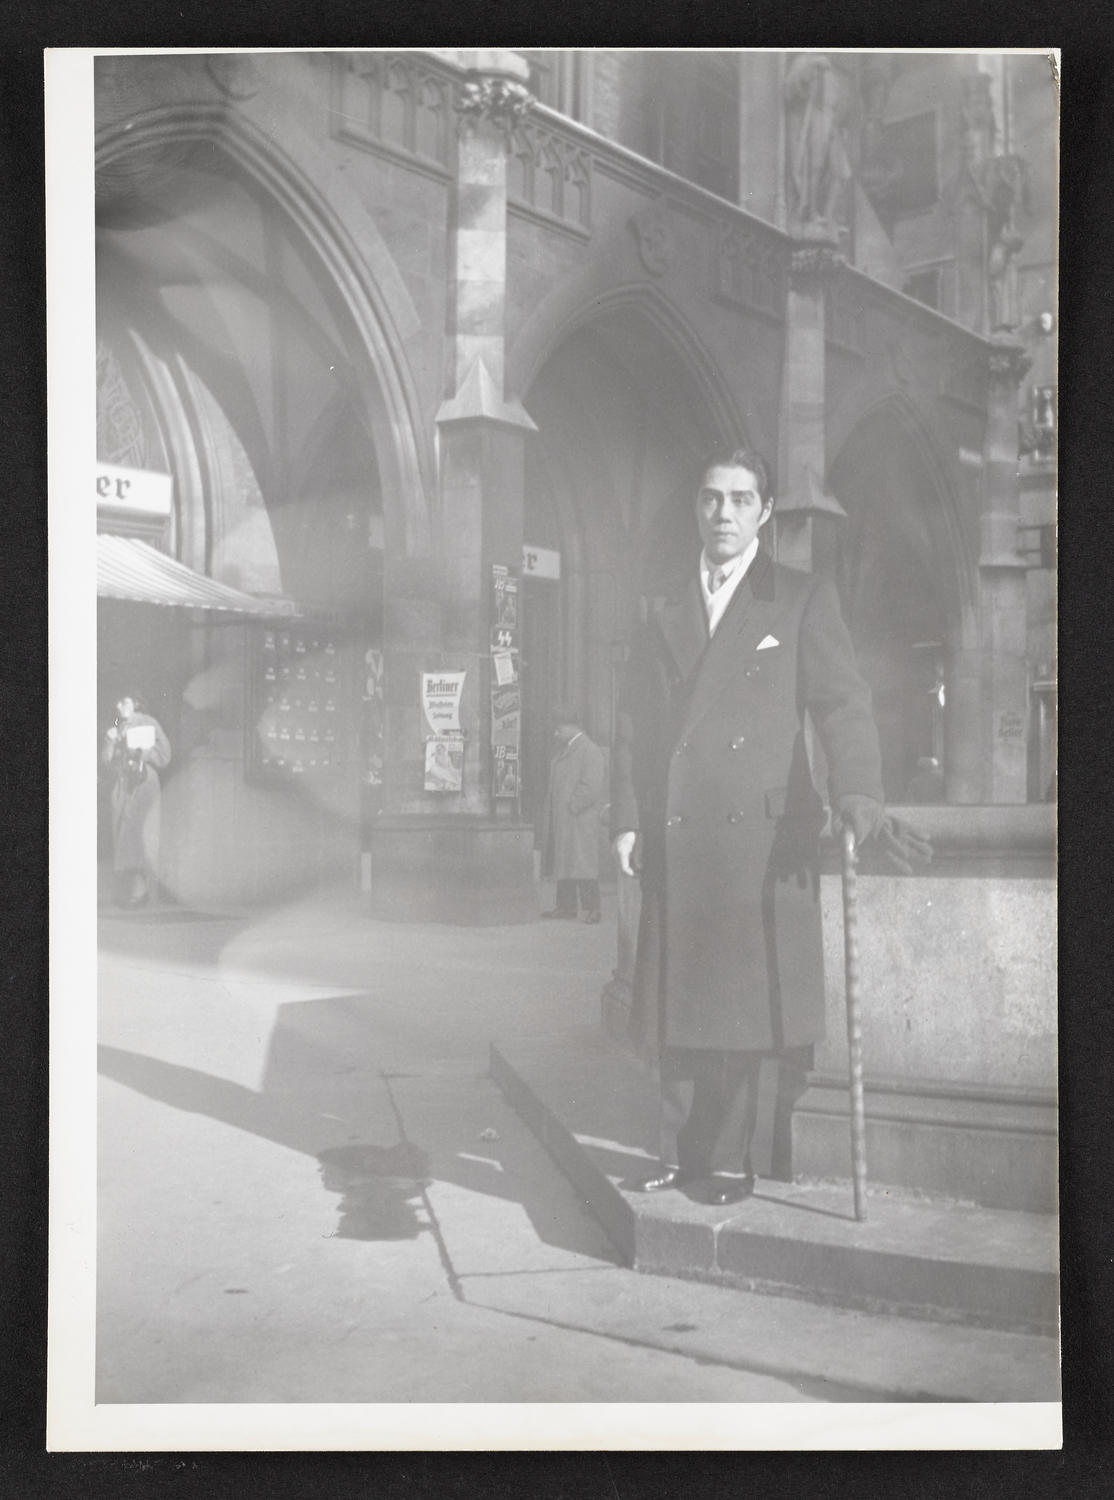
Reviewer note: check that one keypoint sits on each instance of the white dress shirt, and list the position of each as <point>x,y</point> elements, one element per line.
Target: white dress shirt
<point>735,571</point>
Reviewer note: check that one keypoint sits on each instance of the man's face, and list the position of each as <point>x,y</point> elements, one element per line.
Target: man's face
<point>125,708</point>
<point>729,511</point>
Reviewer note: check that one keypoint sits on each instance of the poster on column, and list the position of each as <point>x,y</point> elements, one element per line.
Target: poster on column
<point>444,763</point>
<point>506,691</point>
<point>441,692</point>
<point>506,770</point>
<point>506,731</point>
<point>504,621</point>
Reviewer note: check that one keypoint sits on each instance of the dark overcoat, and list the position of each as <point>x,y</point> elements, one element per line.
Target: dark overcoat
<point>136,800</point>
<point>711,765</point>
<point>571,817</point>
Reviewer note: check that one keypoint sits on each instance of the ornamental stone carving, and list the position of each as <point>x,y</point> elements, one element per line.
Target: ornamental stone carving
<point>654,237</point>
<point>502,102</point>
<point>550,173</point>
<point>751,268</point>
<point>394,102</point>
<point>814,259</point>
<point>1007,363</point>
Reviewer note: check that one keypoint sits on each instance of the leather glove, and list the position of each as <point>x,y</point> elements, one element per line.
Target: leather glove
<point>627,852</point>
<point>899,844</point>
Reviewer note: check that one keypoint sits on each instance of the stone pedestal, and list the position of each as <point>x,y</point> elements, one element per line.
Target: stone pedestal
<point>958,986</point>
<point>959,1020</point>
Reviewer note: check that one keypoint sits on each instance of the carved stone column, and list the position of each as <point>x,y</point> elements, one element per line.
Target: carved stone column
<point>469,856</point>
<point>804,513</point>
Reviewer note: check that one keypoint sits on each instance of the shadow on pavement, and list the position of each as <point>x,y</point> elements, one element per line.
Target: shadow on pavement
<point>376,1185</point>
<point>320,1076</point>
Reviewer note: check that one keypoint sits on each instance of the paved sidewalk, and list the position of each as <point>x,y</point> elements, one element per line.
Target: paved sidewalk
<point>311,1190</point>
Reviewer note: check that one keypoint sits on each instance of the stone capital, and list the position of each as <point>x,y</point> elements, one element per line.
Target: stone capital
<point>814,258</point>
<point>493,99</point>
<point>1007,362</point>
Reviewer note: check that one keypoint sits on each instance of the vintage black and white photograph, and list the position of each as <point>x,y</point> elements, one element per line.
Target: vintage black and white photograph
<point>560,675</point>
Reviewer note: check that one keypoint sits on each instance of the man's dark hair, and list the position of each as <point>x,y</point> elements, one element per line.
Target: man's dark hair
<point>729,455</point>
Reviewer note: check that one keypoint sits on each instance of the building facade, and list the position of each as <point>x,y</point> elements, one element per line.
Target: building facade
<point>430,343</point>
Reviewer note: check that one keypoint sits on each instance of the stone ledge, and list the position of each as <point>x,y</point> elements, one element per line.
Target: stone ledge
<point>913,1256</point>
<point>999,1154</point>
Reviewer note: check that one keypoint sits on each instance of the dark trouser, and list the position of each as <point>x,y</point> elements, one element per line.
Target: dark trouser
<point>589,895</point>
<point>709,1107</point>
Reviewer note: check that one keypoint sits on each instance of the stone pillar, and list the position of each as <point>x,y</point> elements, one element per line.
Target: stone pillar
<point>806,517</point>
<point>1004,684</point>
<point>468,857</point>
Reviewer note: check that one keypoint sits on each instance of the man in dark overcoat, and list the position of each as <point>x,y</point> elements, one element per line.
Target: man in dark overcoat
<point>571,819</point>
<point>714,806</point>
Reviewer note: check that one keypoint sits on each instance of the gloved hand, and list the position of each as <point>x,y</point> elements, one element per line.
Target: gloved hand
<point>900,845</point>
<point>627,852</point>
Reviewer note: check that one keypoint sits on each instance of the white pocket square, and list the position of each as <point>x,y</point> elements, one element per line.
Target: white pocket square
<point>767,642</point>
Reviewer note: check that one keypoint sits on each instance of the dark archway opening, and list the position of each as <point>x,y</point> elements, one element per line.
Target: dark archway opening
<point>226,359</point>
<point>621,427</point>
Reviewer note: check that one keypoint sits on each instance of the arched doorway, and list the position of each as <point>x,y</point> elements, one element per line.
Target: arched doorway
<point>900,578</point>
<point>227,358</point>
<point>622,418</point>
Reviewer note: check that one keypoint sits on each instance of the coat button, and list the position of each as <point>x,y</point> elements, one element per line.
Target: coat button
<point>735,817</point>
<point>672,822</point>
<point>738,742</point>
<point>684,745</point>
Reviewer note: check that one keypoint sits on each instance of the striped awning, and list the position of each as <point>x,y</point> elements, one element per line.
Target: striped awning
<point>130,569</point>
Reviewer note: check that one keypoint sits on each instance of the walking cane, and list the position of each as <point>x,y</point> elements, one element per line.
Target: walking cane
<point>854,1022</point>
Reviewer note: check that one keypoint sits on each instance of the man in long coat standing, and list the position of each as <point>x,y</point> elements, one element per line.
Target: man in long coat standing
<point>571,820</point>
<point>714,805</point>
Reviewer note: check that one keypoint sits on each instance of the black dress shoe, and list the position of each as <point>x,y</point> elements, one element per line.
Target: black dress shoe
<point>557,915</point>
<point>725,1190</point>
<point>657,1182</point>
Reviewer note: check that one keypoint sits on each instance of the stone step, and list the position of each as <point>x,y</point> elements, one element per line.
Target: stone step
<point>589,1104</point>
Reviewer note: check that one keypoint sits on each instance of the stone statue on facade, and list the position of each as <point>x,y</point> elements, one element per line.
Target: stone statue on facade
<point>1005,185</point>
<point>818,167</point>
<point>999,181</point>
